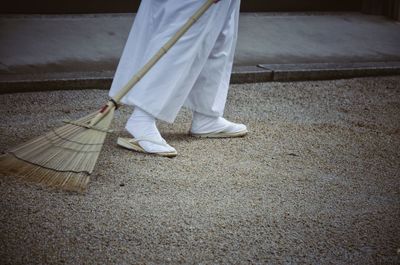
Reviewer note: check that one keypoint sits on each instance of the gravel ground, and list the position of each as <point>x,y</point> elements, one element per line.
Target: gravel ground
<point>316,181</point>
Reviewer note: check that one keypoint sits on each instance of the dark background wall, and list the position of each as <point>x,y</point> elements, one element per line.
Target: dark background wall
<point>121,6</point>
<point>389,8</point>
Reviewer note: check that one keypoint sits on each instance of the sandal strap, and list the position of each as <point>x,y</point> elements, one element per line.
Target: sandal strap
<point>148,139</point>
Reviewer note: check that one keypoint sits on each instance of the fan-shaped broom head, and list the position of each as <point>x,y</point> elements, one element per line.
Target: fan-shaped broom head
<point>63,158</point>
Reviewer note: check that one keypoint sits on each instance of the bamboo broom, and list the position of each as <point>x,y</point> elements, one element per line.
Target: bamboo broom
<point>65,157</point>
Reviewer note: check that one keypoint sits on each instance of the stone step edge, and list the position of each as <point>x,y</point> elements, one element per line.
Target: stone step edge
<point>15,83</point>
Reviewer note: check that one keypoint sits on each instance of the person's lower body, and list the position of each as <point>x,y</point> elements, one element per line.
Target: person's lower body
<point>195,73</point>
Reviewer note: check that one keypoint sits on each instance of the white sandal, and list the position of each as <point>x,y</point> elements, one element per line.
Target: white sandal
<point>215,127</point>
<point>133,144</point>
<point>221,134</point>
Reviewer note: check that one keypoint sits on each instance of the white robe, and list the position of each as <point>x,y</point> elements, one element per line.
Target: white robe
<point>195,72</point>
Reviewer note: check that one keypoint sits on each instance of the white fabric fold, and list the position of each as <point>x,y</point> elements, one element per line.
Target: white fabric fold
<point>195,72</point>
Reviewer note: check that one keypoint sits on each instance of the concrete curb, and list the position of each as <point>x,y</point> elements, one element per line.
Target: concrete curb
<point>327,71</point>
<point>241,74</point>
<point>55,81</point>
<point>251,74</point>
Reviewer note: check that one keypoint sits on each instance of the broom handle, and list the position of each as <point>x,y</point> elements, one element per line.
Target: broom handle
<point>113,102</point>
<point>146,68</point>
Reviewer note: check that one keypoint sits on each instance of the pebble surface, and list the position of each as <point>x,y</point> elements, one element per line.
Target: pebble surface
<point>316,181</point>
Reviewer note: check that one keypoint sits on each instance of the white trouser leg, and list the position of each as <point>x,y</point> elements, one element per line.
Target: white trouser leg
<point>165,88</point>
<point>209,93</point>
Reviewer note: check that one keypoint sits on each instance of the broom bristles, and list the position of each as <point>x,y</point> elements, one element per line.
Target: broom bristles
<point>69,181</point>
<point>63,158</point>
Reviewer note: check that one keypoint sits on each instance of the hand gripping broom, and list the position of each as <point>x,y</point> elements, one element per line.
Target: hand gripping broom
<point>65,157</point>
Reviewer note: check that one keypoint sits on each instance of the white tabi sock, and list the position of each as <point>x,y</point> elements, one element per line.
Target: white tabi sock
<point>207,124</point>
<point>142,125</point>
